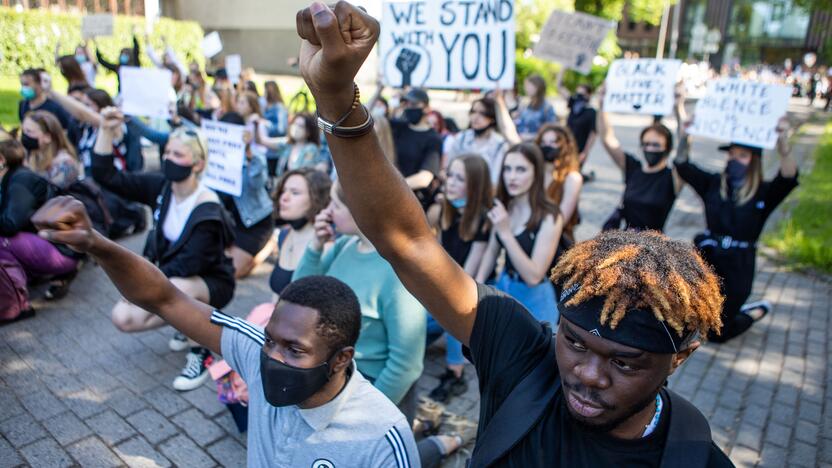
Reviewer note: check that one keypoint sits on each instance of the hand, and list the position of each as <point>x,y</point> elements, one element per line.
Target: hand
<point>64,220</point>
<point>247,137</point>
<point>335,44</point>
<point>784,132</point>
<point>499,218</point>
<point>323,230</point>
<point>112,119</point>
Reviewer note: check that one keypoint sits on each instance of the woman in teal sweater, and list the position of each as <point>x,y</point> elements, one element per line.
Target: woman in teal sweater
<point>390,351</point>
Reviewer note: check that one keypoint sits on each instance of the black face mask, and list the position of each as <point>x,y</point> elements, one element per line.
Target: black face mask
<point>480,131</point>
<point>174,172</point>
<point>654,157</point>
<point>550,153</point>
<point>29,143</point>
<point>298,224</point>
<point>735,172</point>
<point>285,385</point>
<point>413,115</point>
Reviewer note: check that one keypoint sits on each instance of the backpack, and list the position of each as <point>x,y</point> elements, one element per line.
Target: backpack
<point>14,296</point>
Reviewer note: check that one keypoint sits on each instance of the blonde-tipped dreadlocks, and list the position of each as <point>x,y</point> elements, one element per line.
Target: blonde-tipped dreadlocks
<point>643,270</point>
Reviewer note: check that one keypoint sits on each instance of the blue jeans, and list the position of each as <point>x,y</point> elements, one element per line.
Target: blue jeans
<point>539,299</point>
<point>453,349</point>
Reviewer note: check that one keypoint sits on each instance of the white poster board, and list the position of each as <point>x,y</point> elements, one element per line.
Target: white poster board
<point>572,39</point>
<point>226,151</point>
<point>448,44</point>
<point>146,92</point>
<point>641,86</point>
<point>738,111</point>
<point>211,44</point>
<point>96,26</point>
<point>233,66</point>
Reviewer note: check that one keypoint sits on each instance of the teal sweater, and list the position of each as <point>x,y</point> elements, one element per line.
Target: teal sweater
<point>391,347</point>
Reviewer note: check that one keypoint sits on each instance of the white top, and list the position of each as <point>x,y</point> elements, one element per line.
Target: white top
<point>178,213</point>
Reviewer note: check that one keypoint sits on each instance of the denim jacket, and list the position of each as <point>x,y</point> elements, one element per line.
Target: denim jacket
<point>254,203</point>
<point>310,156</point>
<point>530,120</point>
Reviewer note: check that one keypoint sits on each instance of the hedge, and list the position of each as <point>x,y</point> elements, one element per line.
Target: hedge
<point>28,38</point>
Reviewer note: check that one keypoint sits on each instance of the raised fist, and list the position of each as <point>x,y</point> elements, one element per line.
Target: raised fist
<point>64,220</point>
<point>406,63</point>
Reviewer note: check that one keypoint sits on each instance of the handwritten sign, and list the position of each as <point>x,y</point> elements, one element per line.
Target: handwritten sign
<point>146,92</point>
<point>641,86</point>
<point>572,39</point>
<point>96,26</point>
<point>226,152</point>
<point>233,66</point>
<point>452,44</point>
<point>740,111</point>
<point>211,44</point>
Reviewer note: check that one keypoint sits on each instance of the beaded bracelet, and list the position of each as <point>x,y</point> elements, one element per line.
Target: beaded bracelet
<point>335,128</point>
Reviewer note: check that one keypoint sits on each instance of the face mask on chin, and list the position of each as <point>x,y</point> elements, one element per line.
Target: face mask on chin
<point>285,385</point>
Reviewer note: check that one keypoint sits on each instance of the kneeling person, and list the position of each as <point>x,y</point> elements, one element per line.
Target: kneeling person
<point>308,404</point>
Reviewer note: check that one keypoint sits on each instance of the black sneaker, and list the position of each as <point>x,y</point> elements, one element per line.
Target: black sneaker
<point>195,372</point>
<point>449,385</point>
<point>59,286</point>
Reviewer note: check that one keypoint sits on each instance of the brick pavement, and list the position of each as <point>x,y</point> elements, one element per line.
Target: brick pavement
<point>75,391</point>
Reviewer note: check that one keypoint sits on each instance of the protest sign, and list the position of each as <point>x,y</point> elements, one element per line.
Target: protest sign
<point>211,44</point>
<point>746,112</point>
<point>226,150</point>
<point>641,86</point>
<point>96,26</point>
<point>233,66</point>
<point>572,39</point>
<point>452,44</point>
<point>146,92</point>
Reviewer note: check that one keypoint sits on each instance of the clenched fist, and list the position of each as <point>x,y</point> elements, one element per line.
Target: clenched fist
<point>64,220</point>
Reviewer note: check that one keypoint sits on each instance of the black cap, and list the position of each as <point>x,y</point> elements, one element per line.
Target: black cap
<point>755,150</point>
<point>417,95</point>
<point>221,74</point>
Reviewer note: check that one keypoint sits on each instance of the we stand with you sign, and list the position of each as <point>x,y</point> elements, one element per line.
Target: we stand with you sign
<point>451,44</point>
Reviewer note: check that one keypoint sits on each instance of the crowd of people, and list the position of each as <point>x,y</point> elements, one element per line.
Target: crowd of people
<point>381,243</point>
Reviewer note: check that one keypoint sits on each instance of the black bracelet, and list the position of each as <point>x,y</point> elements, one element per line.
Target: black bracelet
<point>335,128</point>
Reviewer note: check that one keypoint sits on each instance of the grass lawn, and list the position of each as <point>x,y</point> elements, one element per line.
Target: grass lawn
<point>805,237</point>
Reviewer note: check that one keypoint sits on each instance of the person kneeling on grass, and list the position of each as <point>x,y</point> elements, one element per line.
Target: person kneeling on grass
<point>309,406</point>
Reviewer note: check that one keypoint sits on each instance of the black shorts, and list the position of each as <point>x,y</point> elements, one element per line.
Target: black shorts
<point>220,290</point>
<point>253,239</point>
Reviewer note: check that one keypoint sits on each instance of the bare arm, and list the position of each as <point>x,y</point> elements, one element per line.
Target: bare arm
<point>608,139</point>
<point>505,124</point>
<point>336,43</point>
<point>64,220</point>
<point>489,259</point>
<point>590,142</point>
<point>788,165</point>
<point>571,193</point>
<point>532,268</point>
<point>77,109</point>
<point>475,255</point>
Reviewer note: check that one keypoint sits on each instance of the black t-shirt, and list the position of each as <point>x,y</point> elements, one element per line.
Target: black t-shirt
<point>415,150</point>
<point>49,106</point>
<point>724,217</point>
<point>648,197</point>
<point>457,248</point>
<point>582,125</point>
<point>506,344</point>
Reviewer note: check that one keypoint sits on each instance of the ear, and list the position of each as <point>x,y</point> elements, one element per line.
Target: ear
<point>343,359</point>
<point>199,166</point>
<point>679,358</point>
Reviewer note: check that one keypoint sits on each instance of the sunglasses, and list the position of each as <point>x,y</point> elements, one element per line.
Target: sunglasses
<point>194,135</point>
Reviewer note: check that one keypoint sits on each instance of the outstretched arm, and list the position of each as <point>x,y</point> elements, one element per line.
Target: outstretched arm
<point>608,139</point>
<point>504,121</point>
<point>335,44</point>
<point>788,165</point>
<point>64,220</point>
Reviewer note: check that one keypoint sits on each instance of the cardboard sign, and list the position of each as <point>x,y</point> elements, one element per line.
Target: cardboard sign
<point>641,86</point>
<point>211,44</point>
<point>226,152</point>
<point>738,111</point>
<point>451,44</point>
<point>146,92</point>
<point>96,26</point>
<point>572,39</point>
<point>233,66</point>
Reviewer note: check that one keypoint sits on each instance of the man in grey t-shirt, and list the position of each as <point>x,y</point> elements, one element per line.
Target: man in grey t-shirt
<point>309,407</point>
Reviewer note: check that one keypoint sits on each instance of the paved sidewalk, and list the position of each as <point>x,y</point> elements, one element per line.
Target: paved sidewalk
<point>75,391</point>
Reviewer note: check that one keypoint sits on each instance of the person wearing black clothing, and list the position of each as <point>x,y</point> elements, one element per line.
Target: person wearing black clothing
<point>581,120</point>
<point>737,204</point>
<point>611,367</point>
<point>128,57</point>
<point>35,93</point>
<point>650,184</point>
<point>191,231</point>
<point>418,146</point>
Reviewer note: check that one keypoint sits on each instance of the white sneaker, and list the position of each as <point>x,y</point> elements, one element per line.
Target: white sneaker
<point>179,342</point>
<point>756,310</point>
<point>195,372</point>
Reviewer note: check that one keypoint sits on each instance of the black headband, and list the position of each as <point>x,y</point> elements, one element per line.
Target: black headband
<point>639,328</point>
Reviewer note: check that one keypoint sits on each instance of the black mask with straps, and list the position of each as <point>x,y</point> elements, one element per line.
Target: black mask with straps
<point>285,385</point>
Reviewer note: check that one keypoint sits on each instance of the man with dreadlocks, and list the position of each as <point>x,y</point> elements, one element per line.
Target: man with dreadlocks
<point>633,305</point>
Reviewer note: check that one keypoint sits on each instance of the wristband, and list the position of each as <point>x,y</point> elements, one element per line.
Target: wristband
<point>335,128</point>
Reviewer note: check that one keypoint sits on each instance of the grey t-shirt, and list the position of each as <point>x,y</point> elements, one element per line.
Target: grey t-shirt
<point>359,427</point>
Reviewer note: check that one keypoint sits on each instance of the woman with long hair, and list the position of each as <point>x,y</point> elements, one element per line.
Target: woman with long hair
<point>563,178</point>
<point>277,115</point>
<point>50,153</point>
<point>191,231</point>
<point>737,201</point>
<point>72,72</point>
<point>462,223</point>
<point>302,148</point>
<point>536,112</point>
<point>482,137</point>
<point>527,227</point>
